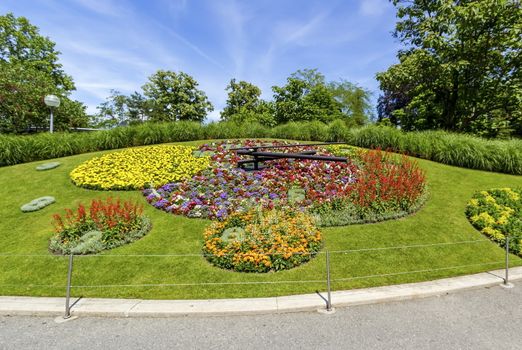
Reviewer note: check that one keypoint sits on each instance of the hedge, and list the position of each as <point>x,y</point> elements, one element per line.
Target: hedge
<point>449,148</point>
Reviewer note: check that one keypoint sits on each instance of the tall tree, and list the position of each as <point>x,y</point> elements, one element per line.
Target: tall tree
<point>460,68</point>
<point>175,96</point>
<point>354,101</point>
<point>242,96</point>
<point>21,42</point>
<point>29,70</point>
<point>305,97</point>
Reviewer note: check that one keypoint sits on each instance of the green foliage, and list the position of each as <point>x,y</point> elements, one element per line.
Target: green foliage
<point>354,100</point>
<point>460,69</point>
<point>37,204</point>
<point>175,96</point>
<point>120,109</point>
<point>444,147</point>
<point>308,97</point>
<point>298,100</point>
<point>497,213</point>
<point>243,99</point>
<point>29,70</point>
<point>21,43</point>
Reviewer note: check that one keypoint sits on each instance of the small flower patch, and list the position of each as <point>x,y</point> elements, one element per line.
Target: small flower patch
<point>105,224</point>
<point>135,168</point>
<point>262,241</point>
<point>497,213</point>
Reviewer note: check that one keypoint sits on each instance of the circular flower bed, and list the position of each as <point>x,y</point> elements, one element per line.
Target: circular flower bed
<point>497,213</point>
<point>106,224</point>
<point>262,241</point>
<point>136,168</point>
<point>373,187</point>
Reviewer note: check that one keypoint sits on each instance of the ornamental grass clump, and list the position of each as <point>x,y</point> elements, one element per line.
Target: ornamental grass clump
<point>262,240</point>
<point>136,168</point>
<point>105,224</point>
<point>497,213</point>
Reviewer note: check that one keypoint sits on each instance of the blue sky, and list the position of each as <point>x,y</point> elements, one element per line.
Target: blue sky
<point>113,44</point>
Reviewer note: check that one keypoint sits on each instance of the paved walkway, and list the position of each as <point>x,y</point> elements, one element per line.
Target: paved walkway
<point>170,308</point>
<point>485,318</point>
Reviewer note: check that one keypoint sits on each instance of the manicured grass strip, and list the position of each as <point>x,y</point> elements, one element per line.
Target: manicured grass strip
<point>441,220</point>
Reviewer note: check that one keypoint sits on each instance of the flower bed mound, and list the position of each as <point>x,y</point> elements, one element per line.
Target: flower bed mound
<point>497,213</point>
<point>136,168</point>
<point>262,241</point>
<point>106,224</point>
<point>371,186</point>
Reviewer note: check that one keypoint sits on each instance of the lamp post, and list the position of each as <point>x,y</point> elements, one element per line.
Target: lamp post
<point>52,102</point>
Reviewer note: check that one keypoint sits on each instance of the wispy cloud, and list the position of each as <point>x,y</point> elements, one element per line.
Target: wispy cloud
<point>232,20</point>
<point>117,44</point>
<point>192,46</point>
<point>104,7</point>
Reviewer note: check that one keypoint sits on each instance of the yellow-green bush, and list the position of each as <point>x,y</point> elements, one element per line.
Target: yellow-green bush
<point>135,168</point>
<point>497,213</point>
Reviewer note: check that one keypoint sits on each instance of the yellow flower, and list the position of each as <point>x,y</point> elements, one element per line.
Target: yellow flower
<point>134,168</point>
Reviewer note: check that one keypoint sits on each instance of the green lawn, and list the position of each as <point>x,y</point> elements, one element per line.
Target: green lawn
<point>28,269</point>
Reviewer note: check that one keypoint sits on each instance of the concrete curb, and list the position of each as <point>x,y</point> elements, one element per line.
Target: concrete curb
<point>40,306</point>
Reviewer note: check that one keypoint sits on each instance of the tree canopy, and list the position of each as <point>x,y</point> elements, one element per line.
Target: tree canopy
<point>459,69</point>
<point>175,96</point>
<point>29,70</point>
<point>307,96</point>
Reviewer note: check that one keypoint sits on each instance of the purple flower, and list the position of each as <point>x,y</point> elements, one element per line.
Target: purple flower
<point>161,203</point>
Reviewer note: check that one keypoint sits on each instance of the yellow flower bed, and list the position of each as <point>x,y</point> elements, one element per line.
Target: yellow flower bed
<point>262,241</point>
<point>497,213</point>
<point>135,168</point>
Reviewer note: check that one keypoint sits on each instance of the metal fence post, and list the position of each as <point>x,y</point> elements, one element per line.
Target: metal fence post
<point>329,301</point>
<point>68,291</point>
<point>506,283</point>
<point>506,280</point>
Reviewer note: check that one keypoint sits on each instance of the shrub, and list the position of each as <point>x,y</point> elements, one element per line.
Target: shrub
<point>105,224</point>
<point>497,213</point>
<point>262,241</point>
<point>135,168</point>
<point>443,147</point>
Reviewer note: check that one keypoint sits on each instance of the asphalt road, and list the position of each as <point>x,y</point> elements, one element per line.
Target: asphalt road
<point>479,319</point>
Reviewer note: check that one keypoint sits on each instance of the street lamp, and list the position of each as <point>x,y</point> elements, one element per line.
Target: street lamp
<point>52,102</point>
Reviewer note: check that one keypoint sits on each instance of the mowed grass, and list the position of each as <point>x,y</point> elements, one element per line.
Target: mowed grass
<point>27,268</point>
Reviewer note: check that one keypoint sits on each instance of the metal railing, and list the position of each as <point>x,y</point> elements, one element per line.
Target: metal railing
<point>326,280</point>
